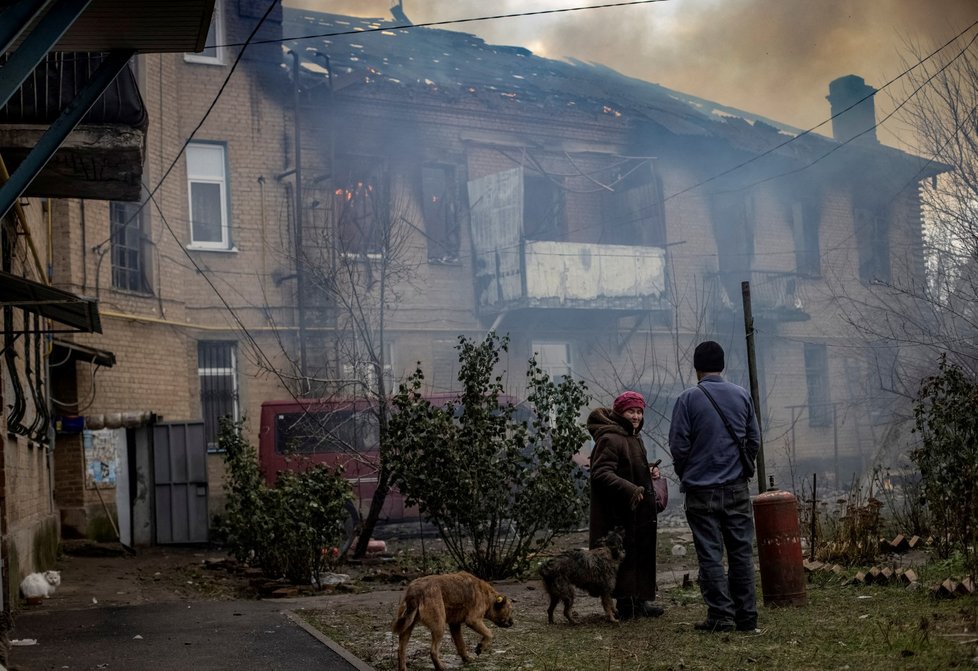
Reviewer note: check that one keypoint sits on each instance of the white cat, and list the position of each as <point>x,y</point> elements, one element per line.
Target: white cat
<point>40,584</point>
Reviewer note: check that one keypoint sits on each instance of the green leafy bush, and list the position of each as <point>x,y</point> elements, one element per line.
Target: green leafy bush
<point>289,530</point>
<point>496,485</point>
<point>945,418</point>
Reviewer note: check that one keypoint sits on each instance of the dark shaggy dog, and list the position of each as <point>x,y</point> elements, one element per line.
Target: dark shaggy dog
<point>593,571</point>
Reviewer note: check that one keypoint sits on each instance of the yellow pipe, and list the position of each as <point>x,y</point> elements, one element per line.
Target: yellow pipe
<point>207,327</point>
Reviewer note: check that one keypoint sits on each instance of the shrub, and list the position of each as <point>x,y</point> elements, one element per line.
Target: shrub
<point>497,487</point>
<point>945,418</point>
<point>288,530</point>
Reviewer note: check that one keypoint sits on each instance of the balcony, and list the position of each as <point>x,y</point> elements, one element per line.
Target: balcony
<point>103,157</point>
<point>547,274</point>
<point>773,294</point>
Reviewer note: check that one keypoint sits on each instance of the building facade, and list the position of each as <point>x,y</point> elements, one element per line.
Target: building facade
<point>352,204</point>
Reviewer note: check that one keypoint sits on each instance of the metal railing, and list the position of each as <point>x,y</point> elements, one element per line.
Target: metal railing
<point>57,80</point>
<point>770,290</point>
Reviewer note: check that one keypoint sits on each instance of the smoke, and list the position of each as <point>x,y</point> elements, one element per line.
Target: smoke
<point>770,57</point>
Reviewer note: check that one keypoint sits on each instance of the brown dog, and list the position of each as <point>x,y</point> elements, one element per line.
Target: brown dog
<point>449,601</point>
<point>594,571</point>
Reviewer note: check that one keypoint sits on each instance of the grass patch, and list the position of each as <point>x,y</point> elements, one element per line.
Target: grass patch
<point>842,627</point>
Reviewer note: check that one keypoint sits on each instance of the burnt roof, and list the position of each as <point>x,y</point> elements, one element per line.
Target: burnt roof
<point>382,56</point>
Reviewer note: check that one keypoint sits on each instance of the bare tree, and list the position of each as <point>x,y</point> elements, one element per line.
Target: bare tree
<point>944,116</point>
<point>358,263</point>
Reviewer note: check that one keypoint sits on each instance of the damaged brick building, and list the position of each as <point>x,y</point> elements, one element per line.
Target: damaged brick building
<point>364,192</point>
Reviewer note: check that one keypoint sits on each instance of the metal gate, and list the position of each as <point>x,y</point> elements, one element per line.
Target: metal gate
<point>180,483</point>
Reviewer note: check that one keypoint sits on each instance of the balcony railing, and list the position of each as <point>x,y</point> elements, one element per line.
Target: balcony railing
<point>547,274</point>
<point>773,293</point>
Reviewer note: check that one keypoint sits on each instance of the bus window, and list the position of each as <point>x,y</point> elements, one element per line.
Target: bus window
<point>325,432</point>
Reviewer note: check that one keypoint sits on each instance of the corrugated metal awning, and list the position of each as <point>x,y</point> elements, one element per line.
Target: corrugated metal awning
<point>64,307</point>
<point>72,351</point>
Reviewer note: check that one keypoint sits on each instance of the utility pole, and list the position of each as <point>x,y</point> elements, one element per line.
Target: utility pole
<point>297,238</point>
<point>752,368</point>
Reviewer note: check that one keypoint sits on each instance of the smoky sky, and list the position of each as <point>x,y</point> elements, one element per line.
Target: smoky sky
<point>770,57</point>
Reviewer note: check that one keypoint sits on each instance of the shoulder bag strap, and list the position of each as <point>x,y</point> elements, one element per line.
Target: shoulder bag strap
<point>745,460</point>
<point>730,429</point>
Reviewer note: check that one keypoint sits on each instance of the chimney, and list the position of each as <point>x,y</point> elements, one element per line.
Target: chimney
<point>846,92</point>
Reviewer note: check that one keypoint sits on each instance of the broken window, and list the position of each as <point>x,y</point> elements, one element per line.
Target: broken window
<point>873,241</point>
<point>361,206</point>
<point>543,209</point>
<point>817,380</point>
<point>129,248</point>
<point>733,226</point>
<point>438,197</point>
<point>634,213</point>
<point>804,228</point>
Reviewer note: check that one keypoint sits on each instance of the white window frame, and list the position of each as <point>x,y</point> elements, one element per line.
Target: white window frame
<point>199,176</point>
<point>365,375</point>
<point>549,367</point>
<point>215,39</point>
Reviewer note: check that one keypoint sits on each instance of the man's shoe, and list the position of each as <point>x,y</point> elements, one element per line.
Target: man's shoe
<point>649,609</point>
<point>746,625</point>
<point>715,626</point>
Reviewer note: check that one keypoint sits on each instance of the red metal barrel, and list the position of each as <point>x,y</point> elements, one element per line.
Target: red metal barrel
<point>779,549</point>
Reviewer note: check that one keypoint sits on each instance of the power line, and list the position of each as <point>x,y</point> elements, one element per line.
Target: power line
<point>249,337</point>
<point>884,119</point>
<point>809,131</point>
<point>448,22</point>
<point>457,21</point>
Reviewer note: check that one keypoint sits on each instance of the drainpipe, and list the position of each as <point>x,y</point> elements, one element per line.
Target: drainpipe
<point>84,248</point>
<point>261,225</point>
<point>299,266</point>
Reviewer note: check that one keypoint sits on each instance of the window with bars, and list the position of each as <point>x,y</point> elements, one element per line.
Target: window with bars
<point>128,248</point>
<point>817,380</point>
<point>207,190</point>
<point>217,371</point>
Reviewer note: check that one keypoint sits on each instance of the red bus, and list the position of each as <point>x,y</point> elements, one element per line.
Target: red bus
<point>339,433</point>
<point>295,434</point>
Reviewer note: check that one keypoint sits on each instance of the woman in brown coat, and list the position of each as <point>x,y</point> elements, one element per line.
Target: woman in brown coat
<point>622,495</point>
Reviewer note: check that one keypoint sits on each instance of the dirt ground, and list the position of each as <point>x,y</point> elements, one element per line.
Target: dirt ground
<point>107,574</point>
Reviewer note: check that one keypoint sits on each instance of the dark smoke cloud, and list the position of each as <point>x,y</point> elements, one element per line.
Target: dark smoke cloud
<point>770,57</point>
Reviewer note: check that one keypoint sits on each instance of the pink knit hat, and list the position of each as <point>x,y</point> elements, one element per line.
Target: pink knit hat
<point>629,399</point>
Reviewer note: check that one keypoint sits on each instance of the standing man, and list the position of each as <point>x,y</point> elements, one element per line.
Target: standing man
<point>713,468</point>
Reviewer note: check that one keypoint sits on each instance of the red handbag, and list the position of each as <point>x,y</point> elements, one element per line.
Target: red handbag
<point>661,490</point>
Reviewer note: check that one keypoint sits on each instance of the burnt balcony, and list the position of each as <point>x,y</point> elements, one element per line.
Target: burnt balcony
<point>774,294</point>
<point>548,274</point>
<point>102,157</point>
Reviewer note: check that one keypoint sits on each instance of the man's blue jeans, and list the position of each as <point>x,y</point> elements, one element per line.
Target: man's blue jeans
<point>720,517</point>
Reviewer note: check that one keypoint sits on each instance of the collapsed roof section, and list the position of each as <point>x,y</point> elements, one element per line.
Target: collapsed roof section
<point>378,57</point>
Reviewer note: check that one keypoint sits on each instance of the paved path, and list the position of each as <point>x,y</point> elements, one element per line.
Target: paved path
<point>198,635</point>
